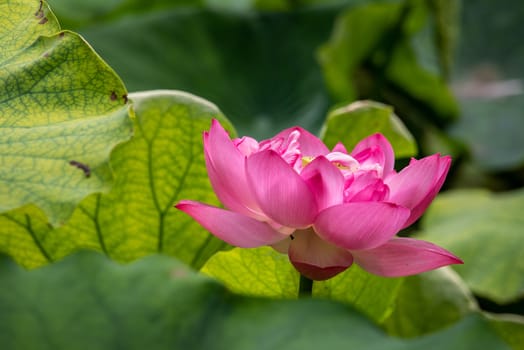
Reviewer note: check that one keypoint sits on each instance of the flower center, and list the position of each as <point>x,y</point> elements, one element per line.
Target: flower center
<point>344,162</point>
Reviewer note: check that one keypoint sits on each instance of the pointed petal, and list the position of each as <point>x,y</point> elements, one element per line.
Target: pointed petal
<point>226,171</point>
<point>404,257</point>
<point>339,147</point>
<point>420,208</point>
<point>375,149</point>
<point>246,145</point>
<point>316,258</point>
<point>310,145</point>
<point>417,184</point>
<point>325,181</point>
<point>236,229</point>
<point>281,193</point>
<point>360,225</point>
<point>414,182</point>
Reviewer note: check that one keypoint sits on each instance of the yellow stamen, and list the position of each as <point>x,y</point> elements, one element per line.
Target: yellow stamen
<point>340,166</point>
<point>306,160</point>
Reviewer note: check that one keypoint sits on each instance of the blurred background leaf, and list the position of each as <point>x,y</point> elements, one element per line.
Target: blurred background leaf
<point>259,68</point>
<point>163,163</point>
<point>171,307</point>
<point>510,328</point>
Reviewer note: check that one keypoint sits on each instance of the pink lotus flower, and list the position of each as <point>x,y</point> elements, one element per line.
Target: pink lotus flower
<point>325,209</point>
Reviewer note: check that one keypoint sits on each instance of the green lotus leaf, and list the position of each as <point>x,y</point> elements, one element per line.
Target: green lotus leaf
<point>63,111</point>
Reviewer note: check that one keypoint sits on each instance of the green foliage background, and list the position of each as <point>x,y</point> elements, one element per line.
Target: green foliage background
<point>266,65</point>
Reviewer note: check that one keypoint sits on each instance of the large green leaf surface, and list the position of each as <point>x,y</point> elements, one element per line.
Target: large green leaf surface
<point>264,272</point>
<point>162,164</point>
<point>88,302</point>
<point>63,111</point>
<point>354,122</point>
<point>485,230</point>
